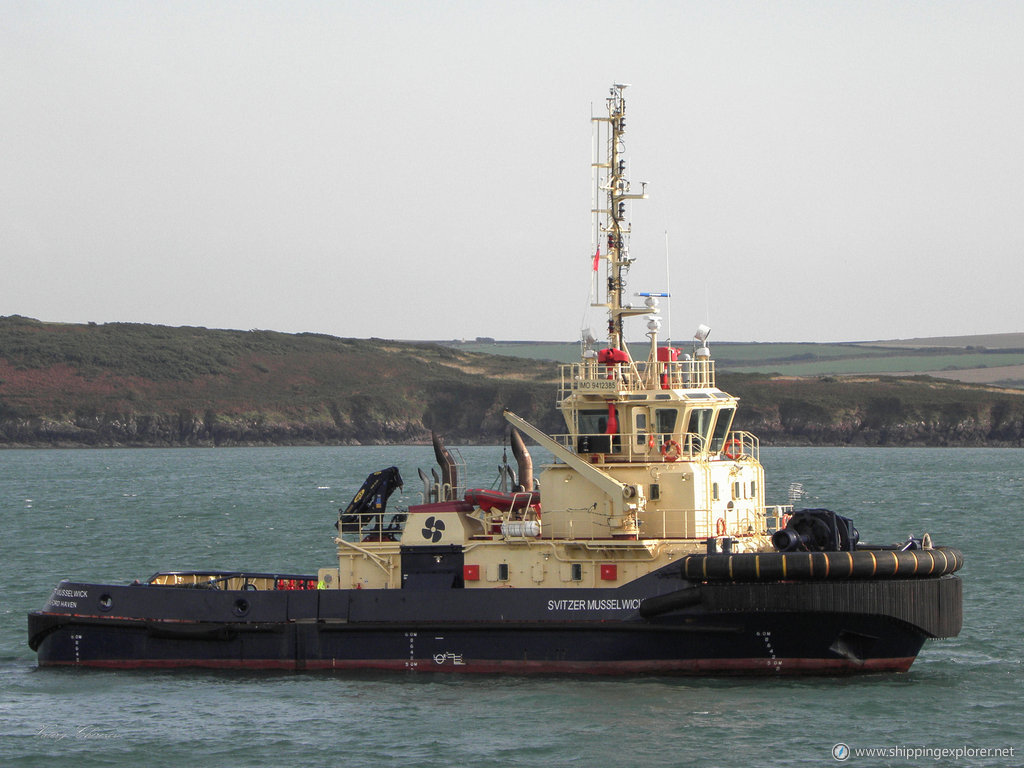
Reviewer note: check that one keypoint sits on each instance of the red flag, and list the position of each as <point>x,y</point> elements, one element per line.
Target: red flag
<point>597,257</point>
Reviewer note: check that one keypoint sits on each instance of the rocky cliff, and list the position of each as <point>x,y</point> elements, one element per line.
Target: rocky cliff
<point>917,411</point>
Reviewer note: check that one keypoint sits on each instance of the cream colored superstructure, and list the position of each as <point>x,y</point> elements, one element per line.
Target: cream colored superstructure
<point>649,468</point>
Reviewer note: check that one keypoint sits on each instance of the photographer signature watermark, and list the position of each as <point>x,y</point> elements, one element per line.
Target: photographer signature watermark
<point>842,752</point>
<point>69,733</point>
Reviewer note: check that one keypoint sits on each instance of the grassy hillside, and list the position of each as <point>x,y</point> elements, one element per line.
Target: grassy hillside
<point>194,385</point>
<point>129,384</point>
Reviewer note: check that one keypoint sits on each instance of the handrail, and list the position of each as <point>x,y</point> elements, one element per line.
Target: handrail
<point>384,563</point>
<point>776,514</point>
<point>588,524</point>
<point>374,526</point>
<point>749,444</point>
<point>624,446</point>
<point>600,378</point>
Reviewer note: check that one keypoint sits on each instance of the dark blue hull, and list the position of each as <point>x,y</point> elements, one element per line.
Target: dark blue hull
<point>774,628</point>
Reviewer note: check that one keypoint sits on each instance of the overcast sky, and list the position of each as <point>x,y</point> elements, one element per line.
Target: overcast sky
<point>824,171</point>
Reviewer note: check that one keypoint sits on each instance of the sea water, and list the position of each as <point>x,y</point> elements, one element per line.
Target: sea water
<point>117,515</point>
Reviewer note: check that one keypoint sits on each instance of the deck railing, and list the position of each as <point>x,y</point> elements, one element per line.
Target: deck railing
<point>233,580</point>
<point>589,524</point>
<point>591,377</point>
<point>777,516</point>
<point>373,526</point>
<point>652,446</point>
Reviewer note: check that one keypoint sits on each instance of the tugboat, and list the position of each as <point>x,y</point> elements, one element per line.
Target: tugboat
<point>645,546</point>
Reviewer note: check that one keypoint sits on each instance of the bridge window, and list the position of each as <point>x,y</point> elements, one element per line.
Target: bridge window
<point>665,421</point>
<point>700,425</point>
<point>593,422</point>
<point>722,429</point>
<point>593,432</point>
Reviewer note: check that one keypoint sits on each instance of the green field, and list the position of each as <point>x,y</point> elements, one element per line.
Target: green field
<point>725,353</point>
<point>737,352</point>
<point>969,356</point>
<point>887,365</point>
<point>988,341</point>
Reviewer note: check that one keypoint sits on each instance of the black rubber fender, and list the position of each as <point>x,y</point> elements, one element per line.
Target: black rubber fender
<point>682,598</point>
<point>817,566</point>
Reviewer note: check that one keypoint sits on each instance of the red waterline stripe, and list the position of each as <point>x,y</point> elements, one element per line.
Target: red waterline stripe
<point>795,666</point>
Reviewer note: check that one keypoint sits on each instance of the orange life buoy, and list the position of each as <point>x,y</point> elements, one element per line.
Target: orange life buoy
<point>720,526</point>
<point>733,449</point>
<point>670,450</point>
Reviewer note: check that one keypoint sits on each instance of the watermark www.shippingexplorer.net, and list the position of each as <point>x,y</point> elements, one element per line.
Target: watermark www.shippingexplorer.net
<point>842,752</point>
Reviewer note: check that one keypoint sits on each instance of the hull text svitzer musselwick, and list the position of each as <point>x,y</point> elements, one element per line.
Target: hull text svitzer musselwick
<point>645,546</point>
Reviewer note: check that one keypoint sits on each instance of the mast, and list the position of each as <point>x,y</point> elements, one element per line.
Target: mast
<point>614,229</point>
